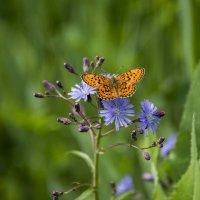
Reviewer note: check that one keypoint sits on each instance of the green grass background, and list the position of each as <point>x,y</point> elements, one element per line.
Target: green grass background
<point>37,37</point>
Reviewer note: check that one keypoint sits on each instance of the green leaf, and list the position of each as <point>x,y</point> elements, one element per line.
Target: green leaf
<point>188,186</point>
<point>85,157</point>
<point>158,191</point>
<point>86,194</point>
<point>179,163</point>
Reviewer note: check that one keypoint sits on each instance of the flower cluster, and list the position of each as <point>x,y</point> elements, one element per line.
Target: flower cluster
<point>111,109</point>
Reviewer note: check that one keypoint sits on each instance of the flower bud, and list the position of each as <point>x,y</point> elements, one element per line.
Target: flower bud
<point>97,126</point>
<point>159,114</point>
<point>69,68</point>
<point>59,84</point>
<point>100,62</point>
<point>49,85</point>
<point>77,107</point>
<point>147,156</point>
<point>86,65</point>
<point>83,128</point>
<point>161,140</point>
<point>38,95</point>
<point>63,120</point>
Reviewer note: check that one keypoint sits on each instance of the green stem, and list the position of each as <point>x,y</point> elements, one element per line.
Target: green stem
<point>96,165</point>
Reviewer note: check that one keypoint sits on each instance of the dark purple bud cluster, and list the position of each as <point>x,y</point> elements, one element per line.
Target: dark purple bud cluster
<point>56,195</point>
<point>135,132</point>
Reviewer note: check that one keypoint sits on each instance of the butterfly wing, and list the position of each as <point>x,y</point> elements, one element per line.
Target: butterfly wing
<point>106,92</point>
<point>133,75</point>
<point>95,80</point>
<point>125,89</point>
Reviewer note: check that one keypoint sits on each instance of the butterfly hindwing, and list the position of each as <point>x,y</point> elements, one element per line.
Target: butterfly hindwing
<point>125,89</point>
<point>106,92</point>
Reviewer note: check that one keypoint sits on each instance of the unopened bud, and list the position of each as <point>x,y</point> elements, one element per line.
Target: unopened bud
<point>97,126</point>
<point>83,129</point>
<point>63,120</point>
<point>38,95</point>
<point>57,194</point>
<point>161,140</point>
<point>49,85</point>
<point>59,84</point>
<point>147,156</point>
<point>159,114</point>
<point>161,145</point>
<point>86,65</point>
<point>69,68</point>
<point>77,107</point>
<point>100,62</point>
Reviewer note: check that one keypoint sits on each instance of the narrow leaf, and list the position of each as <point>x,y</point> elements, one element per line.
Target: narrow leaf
<point>85,157</point>
<point>187,186</point>
<point>86,195</point>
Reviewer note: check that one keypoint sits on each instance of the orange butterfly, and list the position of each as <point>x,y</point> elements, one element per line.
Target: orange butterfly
<point>116,86</point>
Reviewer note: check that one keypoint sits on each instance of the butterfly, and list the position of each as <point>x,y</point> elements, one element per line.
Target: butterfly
<point>116,86</point>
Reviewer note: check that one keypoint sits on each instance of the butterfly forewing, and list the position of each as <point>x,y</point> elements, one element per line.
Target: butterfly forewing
<point>133,75</point>
<point>95,80</point>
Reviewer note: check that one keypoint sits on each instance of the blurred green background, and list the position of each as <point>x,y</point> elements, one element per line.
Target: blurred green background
<point>37,37</point>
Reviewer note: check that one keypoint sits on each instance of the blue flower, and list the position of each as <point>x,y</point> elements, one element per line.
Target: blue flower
<point>168,145</point>
<point>81,91</point>
<point>124,185</point>
<point>149,116</point>
<point>117,110</point>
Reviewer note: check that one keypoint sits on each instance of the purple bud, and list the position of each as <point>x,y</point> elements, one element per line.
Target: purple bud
<point>148,177</point>
<point>38,95</point>
<point>161,145</point>
<point>100,61</point>
<point>59,84</point>
<point>159,114</point>
<point>82,122</point>
<point>97,126</point>
<point>97,58</point>
<point>57,194</point>
<point>49,85</point>
<point>63,120</point>
<point>69,68</point>
<point>147,156</point>
<point>77,107</point>
<point>86,65</point>
<point>83,128</point>
<point>161,140</point>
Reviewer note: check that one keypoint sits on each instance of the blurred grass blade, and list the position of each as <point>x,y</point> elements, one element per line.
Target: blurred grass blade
<point>182,150</point>
<point>85,157</point>
<point>188,186</point>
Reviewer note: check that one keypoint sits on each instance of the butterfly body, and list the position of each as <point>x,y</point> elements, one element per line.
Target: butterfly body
<point>116,86</point>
